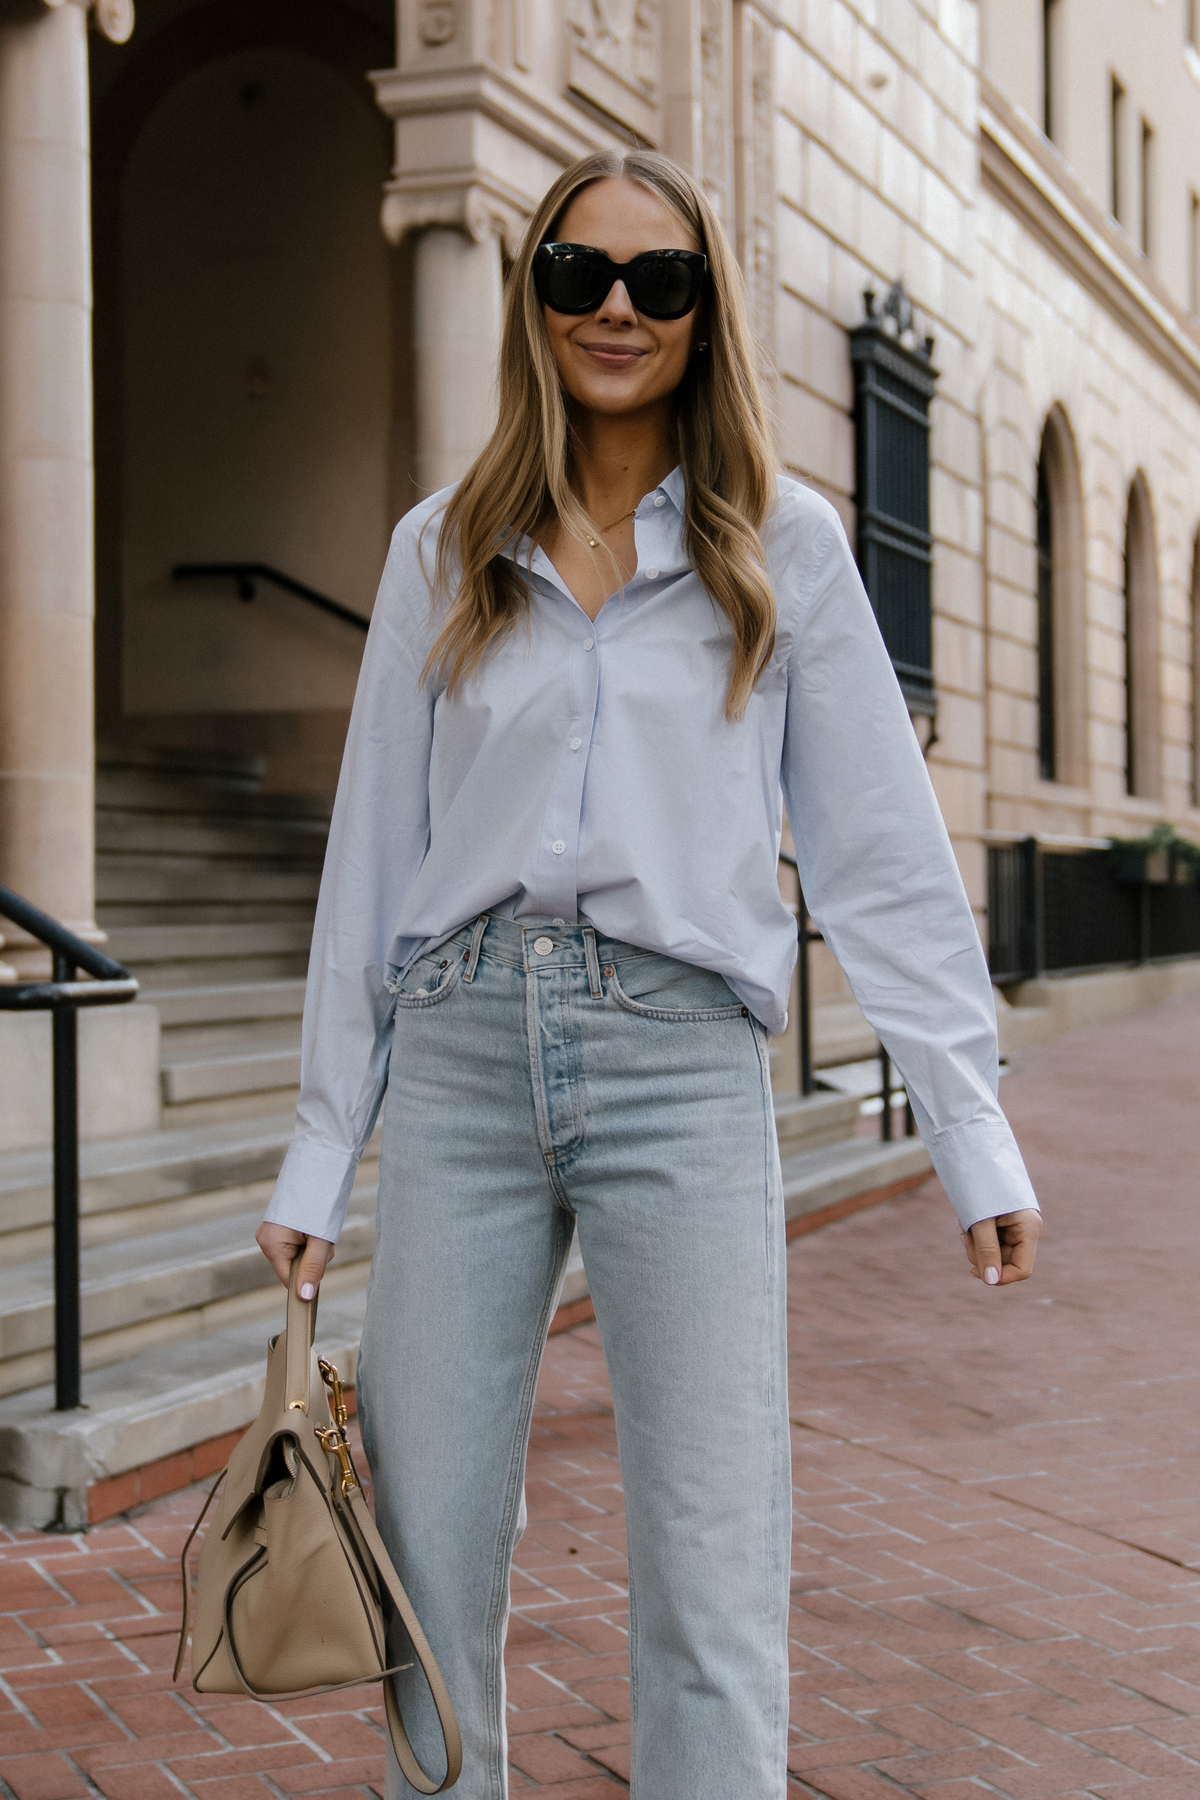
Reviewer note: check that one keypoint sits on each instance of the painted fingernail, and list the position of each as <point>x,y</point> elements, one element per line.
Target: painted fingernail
<point>307,1290</point>
<point>990,1275</point>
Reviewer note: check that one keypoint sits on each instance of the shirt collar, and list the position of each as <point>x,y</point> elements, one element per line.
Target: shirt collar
<point>672,485</point>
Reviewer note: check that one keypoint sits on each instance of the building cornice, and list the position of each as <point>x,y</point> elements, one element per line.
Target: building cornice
<point>557,129</point>
<point>1026,174</point>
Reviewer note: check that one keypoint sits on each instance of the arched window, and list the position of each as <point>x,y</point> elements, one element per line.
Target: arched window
<point>1143,706</point>
<point>1061,617</point>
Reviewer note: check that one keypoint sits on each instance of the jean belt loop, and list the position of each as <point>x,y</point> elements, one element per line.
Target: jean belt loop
<point>481,925</point>
<point>593,963</point>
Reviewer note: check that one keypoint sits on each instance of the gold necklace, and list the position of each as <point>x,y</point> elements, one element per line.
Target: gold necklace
<point>605,529</point>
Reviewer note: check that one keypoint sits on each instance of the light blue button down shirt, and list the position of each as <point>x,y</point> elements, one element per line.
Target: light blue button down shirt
<point>589,772</point>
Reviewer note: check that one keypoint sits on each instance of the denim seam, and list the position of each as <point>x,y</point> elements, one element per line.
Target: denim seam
<point>686,1015</point>
<point>772,1523</point>
<point>551,1160</point>
<point>422,1002</point>
<point>504,1546</point>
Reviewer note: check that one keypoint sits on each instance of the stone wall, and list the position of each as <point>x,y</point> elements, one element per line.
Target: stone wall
<point>877,176</point>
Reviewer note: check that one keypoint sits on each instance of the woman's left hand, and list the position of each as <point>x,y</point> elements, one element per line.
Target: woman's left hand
<point>1001,1251</point>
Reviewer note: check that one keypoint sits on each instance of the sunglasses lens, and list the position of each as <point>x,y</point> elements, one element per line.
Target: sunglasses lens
<point>664,288</point>
<point>573,281</point>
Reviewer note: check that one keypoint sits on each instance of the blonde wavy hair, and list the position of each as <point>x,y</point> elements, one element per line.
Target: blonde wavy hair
<point>521,482</point>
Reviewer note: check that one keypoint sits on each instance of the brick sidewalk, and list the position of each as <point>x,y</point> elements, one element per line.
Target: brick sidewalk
<point>996,1577</point>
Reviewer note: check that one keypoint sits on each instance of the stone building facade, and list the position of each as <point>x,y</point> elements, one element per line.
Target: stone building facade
<point>252,256</point>
<point>238,158</point>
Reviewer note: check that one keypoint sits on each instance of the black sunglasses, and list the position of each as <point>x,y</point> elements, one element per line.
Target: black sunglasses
<point>575,278</point>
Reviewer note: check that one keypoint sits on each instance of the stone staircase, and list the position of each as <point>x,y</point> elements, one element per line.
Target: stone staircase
<point>206,888</point>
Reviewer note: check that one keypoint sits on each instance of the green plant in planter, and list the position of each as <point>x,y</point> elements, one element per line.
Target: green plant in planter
<point>1161,856</point>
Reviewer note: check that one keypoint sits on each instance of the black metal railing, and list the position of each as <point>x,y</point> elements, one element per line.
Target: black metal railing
<point>61,997</point>
<point>1061,905</point>
<point>808,1083</point>
<point>247,575</point>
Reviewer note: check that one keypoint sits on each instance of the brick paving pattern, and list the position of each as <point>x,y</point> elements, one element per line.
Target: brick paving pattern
<point>996,1575</point>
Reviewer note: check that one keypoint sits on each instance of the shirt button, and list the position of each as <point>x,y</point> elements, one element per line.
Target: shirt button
<point>575,743</point>
<point>660,500</point>
<point>589,643</point>
<point>558,846</point>
<point>652,574</point>
<point>543,946</point>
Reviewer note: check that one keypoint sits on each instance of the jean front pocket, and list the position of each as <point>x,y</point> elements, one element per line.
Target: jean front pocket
<point>430,980</point>
<point>673,992</point>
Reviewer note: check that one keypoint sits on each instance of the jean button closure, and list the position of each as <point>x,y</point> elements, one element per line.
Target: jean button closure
<point>543,945</point>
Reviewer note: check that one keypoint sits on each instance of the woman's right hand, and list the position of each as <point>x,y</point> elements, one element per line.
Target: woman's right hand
<point>281,1245</point>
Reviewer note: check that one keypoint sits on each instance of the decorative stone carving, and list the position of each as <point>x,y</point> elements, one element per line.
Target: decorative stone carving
<point>113,19</point>
<point>714,106</point>
<point>473,207</point>
<point>616,61</point>
<point>754,141</point>
<point>438,22</point>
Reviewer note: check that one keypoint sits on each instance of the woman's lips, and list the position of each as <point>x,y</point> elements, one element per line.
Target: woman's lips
<point>613,356</point>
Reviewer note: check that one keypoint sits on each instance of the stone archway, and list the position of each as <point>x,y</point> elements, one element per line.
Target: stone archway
<point>252,381</point>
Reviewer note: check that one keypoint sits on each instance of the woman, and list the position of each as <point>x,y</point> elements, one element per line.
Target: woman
<point>550,923</point>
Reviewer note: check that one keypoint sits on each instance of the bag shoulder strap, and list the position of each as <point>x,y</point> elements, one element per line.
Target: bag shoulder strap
<point>451,1737</point>
<point>186,1627</point>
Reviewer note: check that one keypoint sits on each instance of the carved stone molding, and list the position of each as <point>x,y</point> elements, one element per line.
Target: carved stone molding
<point>438,22</point>
<point>713,171</point>
<point>754,162</point>
<point>113,19</point>
<point>615,61</point>
<point>470,206</point>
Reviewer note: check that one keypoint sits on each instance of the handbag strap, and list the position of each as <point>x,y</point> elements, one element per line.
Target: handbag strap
<point>186,1627</point>
<point>451,1737</point>
<point>301,1330</point>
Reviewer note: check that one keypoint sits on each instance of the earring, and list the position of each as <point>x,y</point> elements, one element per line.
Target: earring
<point>703,346</point>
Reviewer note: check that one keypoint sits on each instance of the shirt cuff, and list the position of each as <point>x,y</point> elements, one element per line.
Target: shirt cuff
<point>981,1169</point>
<point>312,1191</point>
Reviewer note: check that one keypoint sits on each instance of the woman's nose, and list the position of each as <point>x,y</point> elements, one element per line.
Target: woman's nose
<point>617,305</point>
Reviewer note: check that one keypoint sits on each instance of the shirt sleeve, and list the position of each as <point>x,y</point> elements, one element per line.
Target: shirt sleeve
<point>882,884</point>
<point>378,838</point>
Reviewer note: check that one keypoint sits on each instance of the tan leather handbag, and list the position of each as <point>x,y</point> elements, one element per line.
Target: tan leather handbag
<point>294,1588</point>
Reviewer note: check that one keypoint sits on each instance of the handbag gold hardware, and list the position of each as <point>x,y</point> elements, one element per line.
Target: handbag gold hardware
<point>292,1501</point>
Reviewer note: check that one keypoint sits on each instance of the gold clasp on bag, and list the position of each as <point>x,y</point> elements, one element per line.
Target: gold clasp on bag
<point>333,1437</point>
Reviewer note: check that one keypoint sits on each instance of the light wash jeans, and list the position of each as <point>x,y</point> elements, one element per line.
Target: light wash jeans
<point>540,1077</point>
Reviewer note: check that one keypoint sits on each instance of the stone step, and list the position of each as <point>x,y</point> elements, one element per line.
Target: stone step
<point>209,1077</point>
<point>252,1056</point>
<point>120,914</point>
<point>147,1408</point>
<point>299,842</point>
<point>139,946</point>
<point>127,1173</point>
<point>844,1171</point>
<point>216,1002</point>
<point>181,956</point>
<point>145,880</point>
<point>807,1123</point>
<point>133,1186</point>
<point>164,1287</point>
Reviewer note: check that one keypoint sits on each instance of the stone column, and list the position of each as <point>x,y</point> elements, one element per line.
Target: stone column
<point>456,342</point>
<point>46,507</point>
